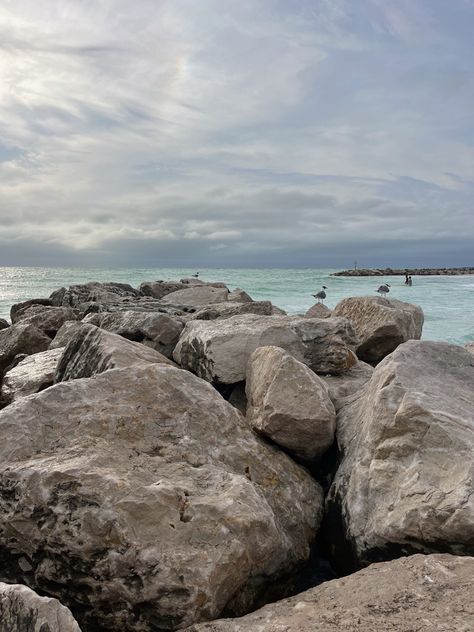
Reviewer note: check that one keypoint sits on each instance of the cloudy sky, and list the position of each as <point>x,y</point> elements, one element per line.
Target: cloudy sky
<point>250,133</point>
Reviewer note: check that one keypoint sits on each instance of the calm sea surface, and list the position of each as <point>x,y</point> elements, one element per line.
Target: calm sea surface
<point>448,302</point>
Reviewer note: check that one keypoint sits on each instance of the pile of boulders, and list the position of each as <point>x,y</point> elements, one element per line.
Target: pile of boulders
<point>179,452</point>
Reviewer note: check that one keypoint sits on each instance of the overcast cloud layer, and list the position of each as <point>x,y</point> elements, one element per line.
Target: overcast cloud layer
<point>211,132</point>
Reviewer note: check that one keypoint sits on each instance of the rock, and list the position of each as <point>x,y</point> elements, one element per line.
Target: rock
<point>318,311</point>
<point>227,309</point>
<point>405,480</point>
<point>4,324</point>
<point>47,319</point>
<point>470,347</point>
<point>22,610</point>
<point>432,592</point>
<point>31,375</point>
<point>239,296</point>
<point>197,296</point>
<point>159,289</point>
<point>288,403</point>
<point>381,324</point>
<point>17,309</point>
<point>194,282</point>
<point>96,292</point>
<point>20,338</point>
<point>92,350</point>
<point>348,383</point>
<point>158,331</point>
<point>144,501</point>
<point>277,311</point>
<point>219,350</point>
<point>65,333</point>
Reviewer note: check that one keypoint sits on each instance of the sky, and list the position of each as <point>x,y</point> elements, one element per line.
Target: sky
<point>272,133</point>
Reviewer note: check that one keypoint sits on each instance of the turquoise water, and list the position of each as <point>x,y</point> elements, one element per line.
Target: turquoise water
<point>448,302</point>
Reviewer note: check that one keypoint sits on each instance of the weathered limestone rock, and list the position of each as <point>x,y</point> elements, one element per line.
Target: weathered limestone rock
<point>20,338</point>
<point>4,323</point>
<point>219,350</point>
<point>102,293</point>
<point>46,318</point>
<point>289,403</point>
<point>145,502</point>
<point>158,331</point>
<point>194,282</point>
<point>197,296</point>
<point>22,610</point>
<point>405,482</point>
<point>470,347</point>
<point>17,309</point>
<point>93,350</point>
<point>239,296</point>
<point>227,309</point>
<point>65,333</point>
<point>318,310</point>
<point>348,383</point>
<point>432,592</point>
<point>31,375</point>
<point>159,289</point>
<point>381,324</point>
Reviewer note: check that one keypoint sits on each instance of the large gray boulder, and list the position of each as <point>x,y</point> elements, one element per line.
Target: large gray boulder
<point>144,501</point>
<point>405,482</point>
<point>22,610</point>
<point>31,375</point>
<point>65,333</point>
<point>318,310</point>
<point>289,403</point>
<point>4,323</point>
<point>348,383</point>
<point>158,331</point>
<point>239,296</point>
<point>159,289</point>
<point>48,319</point>
<point>197,296</point>
<point>93,292</point>
<point>219,350</point>
<point>17,309</point>
<point>381,324</point>
<point>92,350</point>
<point>20,338</point>
<point>228,309</point>
<point>424,593</point>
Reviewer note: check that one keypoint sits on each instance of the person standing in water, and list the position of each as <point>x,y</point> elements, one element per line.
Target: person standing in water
<point>409,281</point>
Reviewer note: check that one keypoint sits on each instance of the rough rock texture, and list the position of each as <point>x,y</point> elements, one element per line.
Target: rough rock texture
<point>151,504</point>
<point>318,310</point>
<point>65,333</point>
<point>405,482</point>
<point>432,593</point>
<point>4,323</point>
<point>196,296</point>
<point>227,309</point>
<point>381,324</point>
<point>289,403</point>
<point>159,289</point>
<point>469,347</point>
<point>17,309</point>
<point>31,375</point>
<point>239,296</point>
<point>102,293</point>
<point>46,318</point>
<point>22,610</point>
<point>218,350</point>
<point>21,338</point>
<point>348,383</point>
<point>158,331</point>
<point>92,350</point>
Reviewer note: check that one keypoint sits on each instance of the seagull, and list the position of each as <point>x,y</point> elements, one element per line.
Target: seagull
<point>384,289</point>
<point>195,275</point>
<point>320,295</point>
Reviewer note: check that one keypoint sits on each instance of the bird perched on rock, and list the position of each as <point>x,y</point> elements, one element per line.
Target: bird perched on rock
<point>384,289</point>
<point>320,295</point>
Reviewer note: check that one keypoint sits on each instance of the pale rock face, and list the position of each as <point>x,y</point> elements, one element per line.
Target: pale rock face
<point>318,310</point>
<point>95,292</point>
<point>469,347</point>
<point>432,592</point>
<point>158,331</point>
<point>31,375</point>
<point>197,296</point>
<point>20,338</point>
<point>22,610</point>
<point>239,296</point>
<point>289,403</point>
<point>405,482</point>
<point>159,289</point>
<point>47,318</point>
<point>65,333</point>
<point>348,383</point>
<point>93,350</point>
<point>219,350</point>
<point>144,501</point>
<point>17,310</point>
<point>228,309</point>
<point>381,324</point>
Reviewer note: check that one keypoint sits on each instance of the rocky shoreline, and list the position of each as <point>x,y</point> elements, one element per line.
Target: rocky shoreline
<point>176,456</point>
<point>359,272</point>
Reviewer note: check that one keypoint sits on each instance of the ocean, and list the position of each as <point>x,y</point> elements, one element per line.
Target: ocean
<point>447,301</point>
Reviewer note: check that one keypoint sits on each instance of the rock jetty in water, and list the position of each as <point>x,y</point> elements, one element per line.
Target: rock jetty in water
<point>359,272</point>
<point>178,453</point>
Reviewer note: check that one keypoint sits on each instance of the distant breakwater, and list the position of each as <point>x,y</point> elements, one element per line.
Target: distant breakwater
<point>402,272</point>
